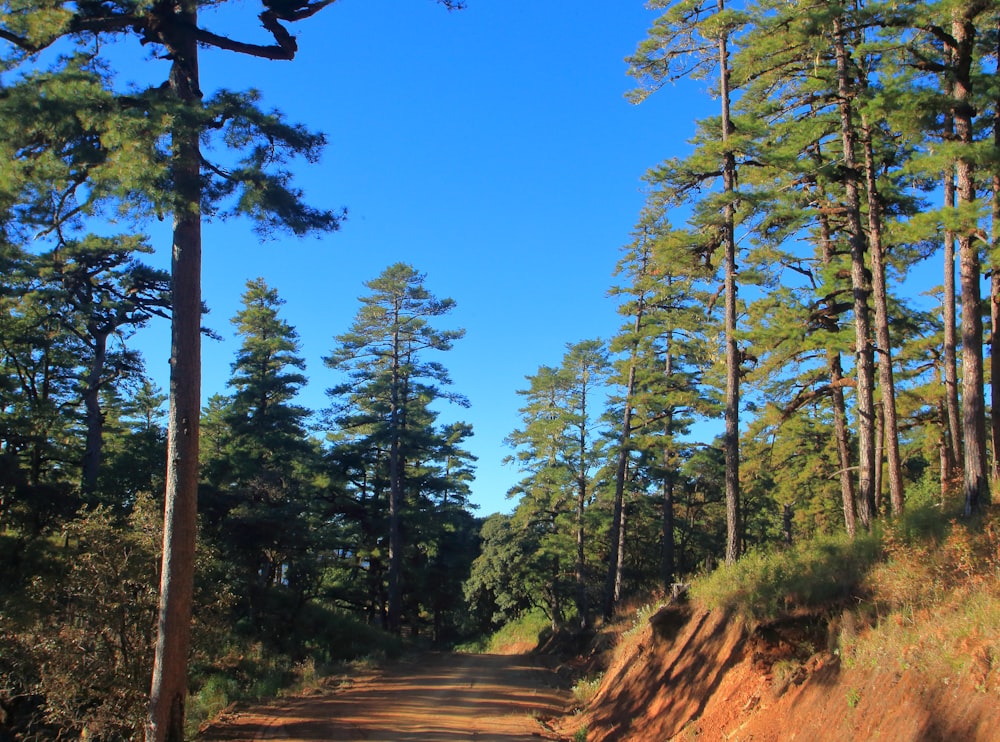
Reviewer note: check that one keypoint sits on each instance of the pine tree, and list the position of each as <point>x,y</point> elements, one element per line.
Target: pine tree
<point>262,455</point>
<point>382,356</point>
<point>105,294</point>
<point>693,37</point>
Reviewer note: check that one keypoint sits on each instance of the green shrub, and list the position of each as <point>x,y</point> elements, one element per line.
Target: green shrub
<point>586,688</point>
<point>764,585</point>
<point>529,628</point>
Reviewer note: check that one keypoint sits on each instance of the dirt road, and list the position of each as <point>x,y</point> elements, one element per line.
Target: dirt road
<point>431,698</point>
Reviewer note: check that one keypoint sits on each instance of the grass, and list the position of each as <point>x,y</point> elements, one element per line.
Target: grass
<point>935,604</point>
<point>526,630</point>
<point>764,585</point>
<point>921,594</point>
<point>586,688</point>
<point>248,671</point>
<point>641,618</point>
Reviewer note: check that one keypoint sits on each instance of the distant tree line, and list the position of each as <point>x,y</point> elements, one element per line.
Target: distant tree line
<point>768,286</point>
<point>306,519</point>
<point>764,291</point>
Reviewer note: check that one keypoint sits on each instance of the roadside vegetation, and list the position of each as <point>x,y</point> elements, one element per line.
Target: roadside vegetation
<point>781,397</point>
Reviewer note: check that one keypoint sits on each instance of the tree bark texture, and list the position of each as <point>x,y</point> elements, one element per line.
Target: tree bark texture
<point>93,416</point>
<point>864,360</point>
<point>734,527</point>
<point>165,721</point>
<point>841,433</point>
<point>976,483</point>
<point>883,340</point>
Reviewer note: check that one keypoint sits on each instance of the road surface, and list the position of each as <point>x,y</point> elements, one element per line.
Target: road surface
<point>430,698</point>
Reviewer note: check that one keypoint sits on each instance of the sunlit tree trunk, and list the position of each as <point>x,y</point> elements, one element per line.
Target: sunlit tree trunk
<point>169,687</point>
<point>970,275</point>
<point>864,363</point>
<point>734,527</point>
<point>612,585</point>
<point>840,430</point>
<point>883,341</point>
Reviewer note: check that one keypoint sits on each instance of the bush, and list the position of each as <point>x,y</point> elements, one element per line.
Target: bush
<point>764,585</point>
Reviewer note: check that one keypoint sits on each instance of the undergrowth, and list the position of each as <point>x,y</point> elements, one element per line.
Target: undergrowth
<point>529,629</point>
<point>766,584</point>
<point>935,604</point>
<point>249,670</point>
<point>923,592</point>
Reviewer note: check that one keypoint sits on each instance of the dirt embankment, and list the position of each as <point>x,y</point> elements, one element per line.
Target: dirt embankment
<point>687,674</point>
<point>428,698</point>
<point>699,674</point>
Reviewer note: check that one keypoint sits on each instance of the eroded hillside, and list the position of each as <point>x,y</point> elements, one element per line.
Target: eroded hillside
<point>700,673</point>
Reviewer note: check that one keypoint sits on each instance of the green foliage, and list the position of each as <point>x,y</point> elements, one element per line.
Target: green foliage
<point>812,574</point>
<point>527,630</point>
<point>585,689</point>
<point>403,511</point>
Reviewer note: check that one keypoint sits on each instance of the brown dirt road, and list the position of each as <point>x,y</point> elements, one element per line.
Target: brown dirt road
<point>429,698</point>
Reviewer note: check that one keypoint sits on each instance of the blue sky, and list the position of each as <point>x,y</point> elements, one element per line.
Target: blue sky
<point>490,148</point>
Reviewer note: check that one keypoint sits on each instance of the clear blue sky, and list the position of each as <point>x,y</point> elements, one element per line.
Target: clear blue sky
<point>490,148</point>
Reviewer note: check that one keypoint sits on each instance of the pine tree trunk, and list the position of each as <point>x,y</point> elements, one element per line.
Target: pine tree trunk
<point>92,416</point>
<point>734,526</point>
<point>841,433</point>
<point>879,459</point>
<point>954,424</point>
<point>883,341</point>
<point>611,595</point>
<point>864,362</point>
<point>843,439</point>
<point>995,299</point>
<point>668,557</point>
<point>668,551</point>
<point>582,609</point>
<point>620,564</point>
<point>611,592</point>
<point>970,274</point>
<point>165,721</point>
<point>394,615</point>
<point>995,336</point>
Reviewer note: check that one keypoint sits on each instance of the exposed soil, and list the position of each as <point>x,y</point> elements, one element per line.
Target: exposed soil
<point>430,698</point>
<point>688,674</point>
<point>699,674</point>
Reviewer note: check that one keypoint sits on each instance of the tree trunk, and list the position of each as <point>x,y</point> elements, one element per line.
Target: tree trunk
<point>394,615</point>
<point>620,562</point>
<point>841,433</point>
<point>668,557</point>
<point>582,609</point>
<point>879,459</point>
<point>864,362</point>
<point>613,580</point>
<point>843,439</point>
<point>970,274</point>
<point>944,451</point>
<point>883,341</point>
<point>954,425</point>
<point>995,300</point>
<point>92,415</point>
<point>165,721</point>
<point>732,435</point>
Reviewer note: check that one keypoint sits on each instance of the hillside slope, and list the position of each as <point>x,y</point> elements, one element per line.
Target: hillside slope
<point>691,673</point>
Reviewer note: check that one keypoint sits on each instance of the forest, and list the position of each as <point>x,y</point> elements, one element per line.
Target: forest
<point>164,553</point>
